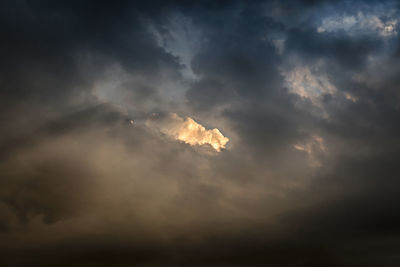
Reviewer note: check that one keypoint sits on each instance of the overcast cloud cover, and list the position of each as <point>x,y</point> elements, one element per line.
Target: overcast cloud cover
<point>207,133</point>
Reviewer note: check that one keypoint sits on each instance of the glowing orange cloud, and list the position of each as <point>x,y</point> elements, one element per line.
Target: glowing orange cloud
<point>189,131</point>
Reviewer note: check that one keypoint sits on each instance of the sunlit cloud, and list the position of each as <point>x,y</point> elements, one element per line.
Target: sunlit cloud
<point>189,131</point>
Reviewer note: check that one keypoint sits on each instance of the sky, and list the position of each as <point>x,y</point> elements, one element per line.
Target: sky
<point>200,133</point>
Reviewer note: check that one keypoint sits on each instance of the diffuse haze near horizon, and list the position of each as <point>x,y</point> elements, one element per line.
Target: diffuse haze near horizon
<point>213,133</point>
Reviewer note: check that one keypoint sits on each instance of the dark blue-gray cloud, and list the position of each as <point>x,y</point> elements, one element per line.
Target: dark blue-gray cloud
<point>306,91</point>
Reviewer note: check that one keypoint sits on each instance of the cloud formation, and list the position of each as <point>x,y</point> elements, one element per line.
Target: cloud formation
<point>314,147</point>
<point>307,125</point>
<point>303,82</point>
<point>360,24</point>
<point>190,132</point>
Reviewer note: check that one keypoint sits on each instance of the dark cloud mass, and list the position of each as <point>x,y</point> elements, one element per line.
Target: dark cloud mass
<point>215,133</point>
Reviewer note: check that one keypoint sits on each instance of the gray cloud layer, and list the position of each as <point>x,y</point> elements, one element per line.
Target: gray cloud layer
<point>306,92</point>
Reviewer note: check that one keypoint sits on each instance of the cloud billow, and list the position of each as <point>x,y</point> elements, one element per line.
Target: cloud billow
<point>216,133</point>
<point>189,131</point>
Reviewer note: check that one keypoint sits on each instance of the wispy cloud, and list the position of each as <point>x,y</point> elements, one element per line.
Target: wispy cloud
<point>312,147</point>
<point>359,24</point>
<point>303,82</point>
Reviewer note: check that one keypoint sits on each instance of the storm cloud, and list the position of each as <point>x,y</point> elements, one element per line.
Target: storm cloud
<point>215,133</point>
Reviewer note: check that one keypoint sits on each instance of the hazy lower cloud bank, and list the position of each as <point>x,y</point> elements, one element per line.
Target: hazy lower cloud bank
<point>216,133</point>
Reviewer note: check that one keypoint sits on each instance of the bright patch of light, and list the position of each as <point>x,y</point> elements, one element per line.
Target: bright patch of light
<point>189,131</point>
